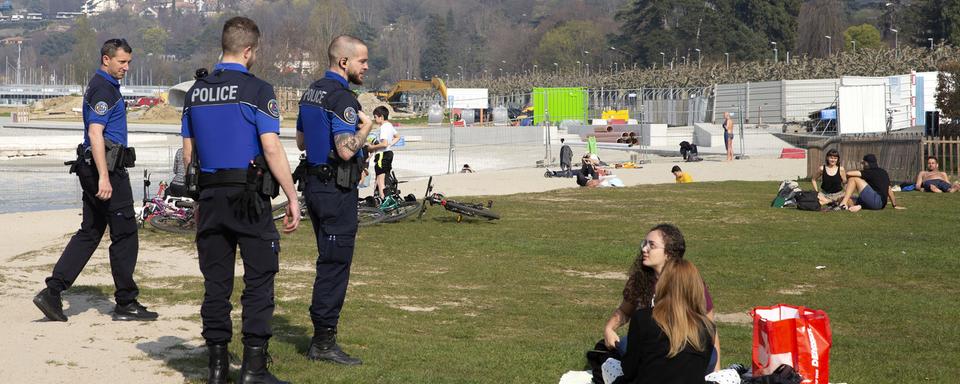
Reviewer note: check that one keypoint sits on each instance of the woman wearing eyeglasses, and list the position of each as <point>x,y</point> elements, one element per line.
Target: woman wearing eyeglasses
<point>662,244</point>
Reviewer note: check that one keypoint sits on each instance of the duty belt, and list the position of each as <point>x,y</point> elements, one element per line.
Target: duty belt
<point>324,172</point>
<point>223,177</point>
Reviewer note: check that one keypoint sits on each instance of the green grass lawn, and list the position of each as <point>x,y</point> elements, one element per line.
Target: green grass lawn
<point>519,301</point>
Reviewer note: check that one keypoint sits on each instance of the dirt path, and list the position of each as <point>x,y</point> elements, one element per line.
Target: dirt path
<point>90,347</point>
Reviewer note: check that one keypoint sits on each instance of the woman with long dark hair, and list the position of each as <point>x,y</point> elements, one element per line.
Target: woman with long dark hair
<point>832,178</point>
<point>671,342</point>
<point>662,244</point>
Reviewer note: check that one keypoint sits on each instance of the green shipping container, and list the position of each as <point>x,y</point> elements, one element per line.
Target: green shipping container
<point>559,104</point>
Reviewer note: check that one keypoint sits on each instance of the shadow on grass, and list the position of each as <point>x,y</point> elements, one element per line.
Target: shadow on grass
<point>296,335</point>
<point>465,220</point>
<point>176,354</point>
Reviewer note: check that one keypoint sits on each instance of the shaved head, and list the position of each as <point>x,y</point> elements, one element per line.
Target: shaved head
<point>239,33</point>
<point>348,57</point>
<point>343,47</point>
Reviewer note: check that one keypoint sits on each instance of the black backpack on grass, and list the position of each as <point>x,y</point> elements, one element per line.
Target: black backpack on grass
<point>808,201</point>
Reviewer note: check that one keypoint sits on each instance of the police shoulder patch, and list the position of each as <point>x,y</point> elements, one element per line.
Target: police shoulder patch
<point>101,108</point>
<point>273,108</point>
<point>350,115</point>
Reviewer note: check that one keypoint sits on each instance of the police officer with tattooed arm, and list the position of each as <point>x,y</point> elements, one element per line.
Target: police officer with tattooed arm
<point>231,125</point>
<point>101,165</point>
<point>333,130</point>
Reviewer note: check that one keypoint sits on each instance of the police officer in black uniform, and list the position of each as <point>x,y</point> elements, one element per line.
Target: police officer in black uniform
<point>230,134</point>
<point>107,198</point>
<point>332,129</point>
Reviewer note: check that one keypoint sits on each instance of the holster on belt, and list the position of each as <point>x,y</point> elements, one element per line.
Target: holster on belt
<point>348,172</point>
<point>74,164</point>
<point>118,156</point>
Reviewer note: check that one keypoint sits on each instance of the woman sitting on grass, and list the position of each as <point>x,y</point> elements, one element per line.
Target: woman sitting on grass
<point>832,178</point>
<point>664,243</point>
<point>673,341</point>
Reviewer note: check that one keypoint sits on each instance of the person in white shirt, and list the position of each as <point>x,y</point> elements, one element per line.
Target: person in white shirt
<point>383,156</point>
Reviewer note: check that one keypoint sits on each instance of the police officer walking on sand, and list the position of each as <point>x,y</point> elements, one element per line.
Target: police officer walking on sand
<point>107,198</point>
<point>231,133</point>
<point>332,129</point>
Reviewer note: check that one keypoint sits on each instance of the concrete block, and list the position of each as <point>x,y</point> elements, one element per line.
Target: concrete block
<point>708,135</point>
<point>653,135</point>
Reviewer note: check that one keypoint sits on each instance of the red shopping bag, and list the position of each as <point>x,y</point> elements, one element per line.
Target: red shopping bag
<point>792,335</point>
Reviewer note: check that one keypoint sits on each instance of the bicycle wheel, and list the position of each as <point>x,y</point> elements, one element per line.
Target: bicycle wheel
<point>279,211</point>
<point>369,216</point>
<point>174,224</point>
<point>402,212</point>
<point>471,211</point>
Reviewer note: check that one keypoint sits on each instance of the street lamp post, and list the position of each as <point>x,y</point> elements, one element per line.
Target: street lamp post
<point>775,58</point>
<point>556,67</point>
<point>829,45</point>
<point>896,41</point>
<point>534,69</point>
<point>588,69</point>
<point>698,57</point>
<point>663,60</point>
<point>579,68</point>
<point>930,39</point>
<point>854,46</point>
<point>727,57</point>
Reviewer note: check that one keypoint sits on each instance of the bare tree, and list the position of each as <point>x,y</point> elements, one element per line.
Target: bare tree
<point>818,19</point>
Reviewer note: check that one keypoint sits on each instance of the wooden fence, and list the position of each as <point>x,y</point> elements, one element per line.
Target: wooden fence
<point>902,155</point>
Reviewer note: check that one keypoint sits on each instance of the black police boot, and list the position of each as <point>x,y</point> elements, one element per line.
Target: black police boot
<point>50,304</point>
<point>324,347</point>
<point>219,364</point>
<point>253,370</point>
<point>133,311</point>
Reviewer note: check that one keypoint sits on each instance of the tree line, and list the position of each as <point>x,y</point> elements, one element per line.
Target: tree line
<point>472,42</point>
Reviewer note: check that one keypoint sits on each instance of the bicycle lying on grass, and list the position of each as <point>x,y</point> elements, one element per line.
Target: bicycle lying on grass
<point>389,209</point>
<point>462,209</point>
<point>170,214</point>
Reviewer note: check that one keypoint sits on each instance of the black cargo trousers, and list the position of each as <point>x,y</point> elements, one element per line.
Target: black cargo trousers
<point>222,225</point>
<point>117,213</point>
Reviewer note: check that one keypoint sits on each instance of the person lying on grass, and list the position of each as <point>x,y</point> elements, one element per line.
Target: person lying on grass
<point>872,184</point>
<point>663,243</point>
<point>934,180</point>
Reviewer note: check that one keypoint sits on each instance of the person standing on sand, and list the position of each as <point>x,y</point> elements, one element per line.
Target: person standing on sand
<point>728,134</point>
<point>107,196</point>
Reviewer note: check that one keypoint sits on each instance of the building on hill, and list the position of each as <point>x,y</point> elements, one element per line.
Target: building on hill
<point>95,7</point>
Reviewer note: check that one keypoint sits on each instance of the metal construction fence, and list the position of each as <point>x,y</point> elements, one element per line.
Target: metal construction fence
<point>673,106</point>
<point>445,149</point>
<point>902,155</point>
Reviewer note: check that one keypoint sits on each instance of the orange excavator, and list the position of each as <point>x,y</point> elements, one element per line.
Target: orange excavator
<point>398,97</point>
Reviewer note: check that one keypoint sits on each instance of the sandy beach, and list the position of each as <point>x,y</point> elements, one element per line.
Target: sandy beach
<point>91,348</point>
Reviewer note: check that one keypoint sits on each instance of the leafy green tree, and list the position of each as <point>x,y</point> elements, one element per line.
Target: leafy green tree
<point>154,40</point>
<point>86,50</point>
<point>866,36</point>
<point>742,28</point>
<point>56,44</point>
<point>433,60</point>
<point>565,44</point>
<point>936,19</point>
